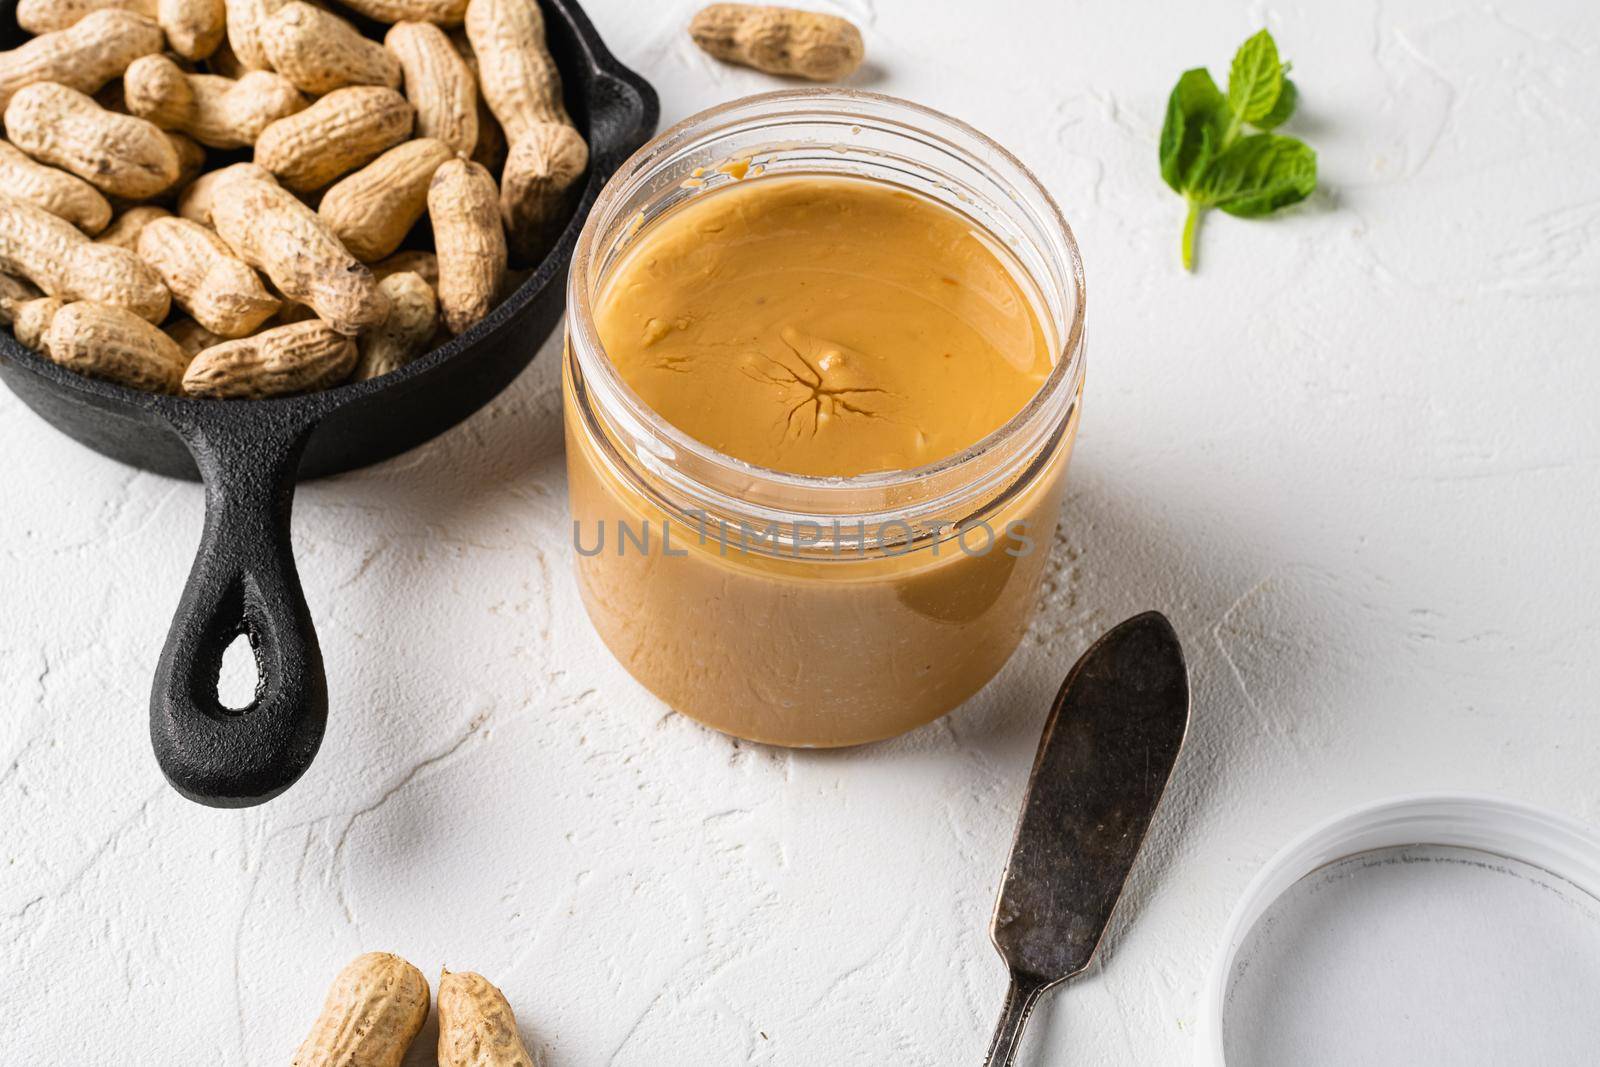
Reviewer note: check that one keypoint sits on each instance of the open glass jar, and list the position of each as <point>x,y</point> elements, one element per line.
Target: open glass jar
<point>802,610</point>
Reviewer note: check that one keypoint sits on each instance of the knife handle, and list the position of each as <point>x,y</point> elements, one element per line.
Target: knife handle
<point>1021,997</point>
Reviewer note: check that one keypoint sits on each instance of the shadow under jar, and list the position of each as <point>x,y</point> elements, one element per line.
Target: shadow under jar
<point>797,609</point>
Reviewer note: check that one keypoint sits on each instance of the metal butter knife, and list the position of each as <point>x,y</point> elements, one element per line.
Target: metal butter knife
<point>1108,748</point>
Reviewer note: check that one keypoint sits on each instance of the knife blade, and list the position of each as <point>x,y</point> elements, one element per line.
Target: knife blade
<point>1109,746</point>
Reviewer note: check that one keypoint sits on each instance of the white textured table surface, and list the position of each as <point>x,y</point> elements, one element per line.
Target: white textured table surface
<point>1356,459</point>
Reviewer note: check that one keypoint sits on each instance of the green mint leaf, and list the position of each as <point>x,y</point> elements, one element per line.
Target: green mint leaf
<point>1287,99</point>
<point>1257,175</point>
<point>1255,79</point>
<point>1197,119</point>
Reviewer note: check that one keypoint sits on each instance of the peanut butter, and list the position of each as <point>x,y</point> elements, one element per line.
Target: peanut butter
<point>823,326</point>
<point>829,327</point>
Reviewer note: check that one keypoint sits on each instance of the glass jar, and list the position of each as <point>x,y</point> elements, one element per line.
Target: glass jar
<point>800,610</point>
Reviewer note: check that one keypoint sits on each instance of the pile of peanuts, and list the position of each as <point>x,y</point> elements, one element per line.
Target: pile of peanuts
<point>135,247</point>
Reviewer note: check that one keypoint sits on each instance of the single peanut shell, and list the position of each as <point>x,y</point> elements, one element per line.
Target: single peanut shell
<point>55,256</point>
<point>405,333</point>
<point>83,56</point>
<point>108,342</point>
<point>56,191</point>
<point>125,228</point>
<point>467,238</point>
<point>372,210</point>
<point>319,51</point>
<point>438,83</point>
<point>299,358</point>
<point>780,40</point>
<point>344,130</point>
<point>373,1012</point>
<point>476,1025</point>
<point>207,280</point>
<point>216,111</point>
<point>120,155</point>
<point>268,228</point>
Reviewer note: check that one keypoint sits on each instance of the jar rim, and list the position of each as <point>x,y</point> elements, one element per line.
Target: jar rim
<point>1057,390</point>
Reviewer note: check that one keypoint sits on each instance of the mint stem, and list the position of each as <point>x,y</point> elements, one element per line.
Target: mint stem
<point>1190,226</point>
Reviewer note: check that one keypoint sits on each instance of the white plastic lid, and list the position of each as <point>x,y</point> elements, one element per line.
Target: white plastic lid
<point>1448,930</point>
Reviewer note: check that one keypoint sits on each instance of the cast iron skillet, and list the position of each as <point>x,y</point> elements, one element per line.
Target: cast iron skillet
<point>249,454</point>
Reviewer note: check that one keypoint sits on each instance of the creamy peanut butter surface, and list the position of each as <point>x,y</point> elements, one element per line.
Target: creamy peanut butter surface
<point>823,326</point>
<point>826,326</point>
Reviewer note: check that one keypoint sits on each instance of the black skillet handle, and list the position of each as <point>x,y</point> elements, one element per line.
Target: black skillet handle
<point>243,582</point>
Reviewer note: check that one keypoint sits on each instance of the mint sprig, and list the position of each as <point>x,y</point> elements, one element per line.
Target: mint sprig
<point>1209,158</point>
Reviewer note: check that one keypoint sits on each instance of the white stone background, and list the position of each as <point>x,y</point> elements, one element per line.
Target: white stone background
<point>1354,458</point>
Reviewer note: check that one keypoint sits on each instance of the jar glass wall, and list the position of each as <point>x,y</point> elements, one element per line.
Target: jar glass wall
<point>803,610</point>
